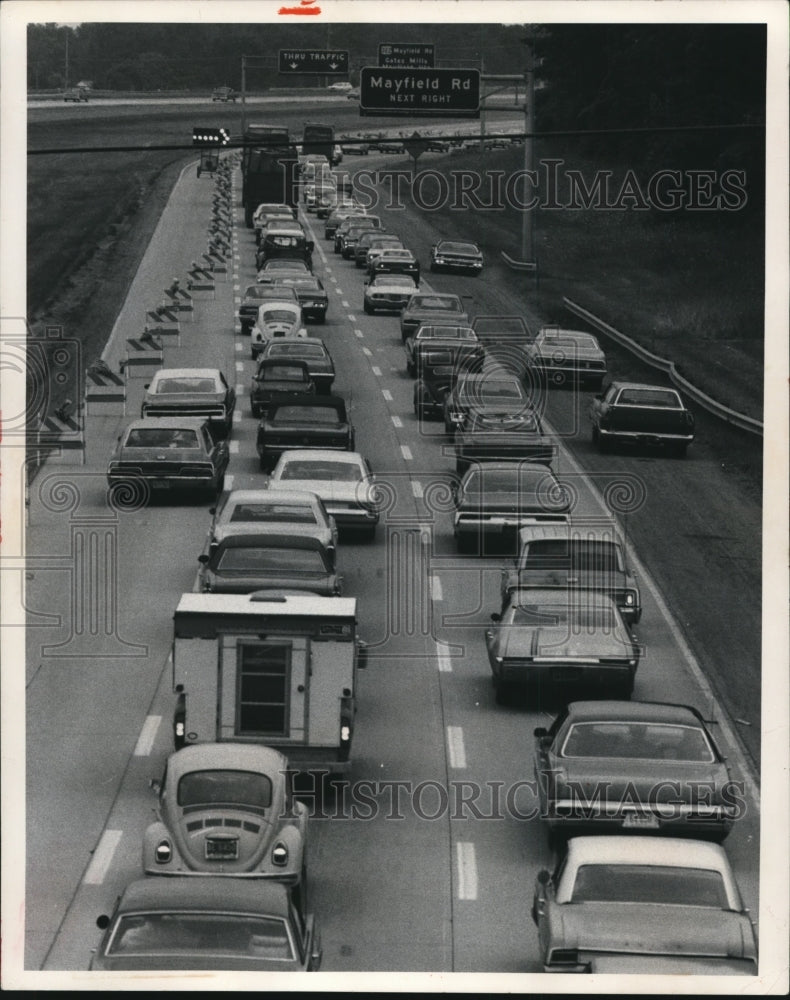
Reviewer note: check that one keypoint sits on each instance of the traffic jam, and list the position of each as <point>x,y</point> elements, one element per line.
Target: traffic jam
<point>632,792</point>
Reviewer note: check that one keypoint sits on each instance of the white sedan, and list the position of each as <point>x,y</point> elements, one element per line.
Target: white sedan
<point>342,479</point>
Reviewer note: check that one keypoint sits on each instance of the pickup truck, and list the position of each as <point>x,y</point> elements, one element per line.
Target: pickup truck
<point>642,414</point>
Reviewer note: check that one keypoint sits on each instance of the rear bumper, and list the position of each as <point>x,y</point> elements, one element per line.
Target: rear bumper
<point>559,674</point>
<point>646,437</point>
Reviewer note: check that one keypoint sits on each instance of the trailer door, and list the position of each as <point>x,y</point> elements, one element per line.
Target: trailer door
<point>263,695</point>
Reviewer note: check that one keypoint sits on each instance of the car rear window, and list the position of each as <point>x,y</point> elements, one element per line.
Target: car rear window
<point>164,437</point>
<point>190,933</point>
<point>528,481</point>
<point>649,397</point>
<point>342,472</point>
<point>278,316</point>
<point>326,416</point>
<point>210,788</point>
<point>269,559</point>
<point>570,343</point>
<point>575,554</point>
<point>311,351</point>
<point>638,741</point>
<point>573,618</point>
<point>443,302</point>
<point>630,883</point>
<point>184,384</point>
<point>287,373</point>
<point>272,512</point>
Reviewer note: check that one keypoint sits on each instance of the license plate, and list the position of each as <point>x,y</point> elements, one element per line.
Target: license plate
<point>223,848</point>
<point>641,822</point>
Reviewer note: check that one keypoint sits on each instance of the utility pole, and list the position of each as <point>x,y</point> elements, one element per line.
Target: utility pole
<point>243,94</point>
<point>527,222</point>
<point>66,72</point>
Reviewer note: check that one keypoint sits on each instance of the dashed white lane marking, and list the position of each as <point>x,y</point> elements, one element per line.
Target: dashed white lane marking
<point>384,392</point>
<point>467,870</point>
<point>344,303</point>
<point>436,587</point>
<point>239,366</point>
<point>234,447</point>
<point>145,740</point>
<point>358,333</point>
<point>102,857</point>
<point>351,316</point>
<point>376,371</point>
<point>397,421</point>
<point>443,656</point>
<point>405,450</point>
<point>239,345</point>
<point>455,747</point>
<point>367,352</point>
<point>228,482</point>
<point>236,416</point>
<point>240,389</point>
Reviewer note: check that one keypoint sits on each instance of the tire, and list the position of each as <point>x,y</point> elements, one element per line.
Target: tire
<point>369,533</point>
<point>410,369</point>
<point>263,463</point>
<point>466,546</point>
<point>321,318</point>
<point>501,692</point>
<point>220,486</point>
<point>367,309</point>
<point>461,465</point>
<point>679,449</point>
<point>594,436</point>
<point>433,267</point>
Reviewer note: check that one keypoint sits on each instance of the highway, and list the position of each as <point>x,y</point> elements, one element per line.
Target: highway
<point>424,880</point>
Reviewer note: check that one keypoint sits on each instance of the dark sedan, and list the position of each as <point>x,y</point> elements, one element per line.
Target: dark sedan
<point>275,378</point>
<point>393,260</point>
<point>567,357</point>
<point>206,923</point>
<point>313,351</point>
<point>311,294</point>
<point>307,421</point>
<point>431,307</point>
<point>496,499</point>
<point>240,562</point>
<point>490,435</point>
<point>551,638</point>
<point>612,766</point>
<point>447,255</point>
<point>252,301</point>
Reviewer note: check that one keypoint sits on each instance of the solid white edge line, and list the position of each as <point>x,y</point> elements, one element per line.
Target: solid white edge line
<point>750,778</point>
<point>145,740</point>
<point>467,869</point>
<point>102,857</point>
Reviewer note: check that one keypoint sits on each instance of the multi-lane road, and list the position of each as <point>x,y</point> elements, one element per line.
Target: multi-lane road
<point>434,868</point>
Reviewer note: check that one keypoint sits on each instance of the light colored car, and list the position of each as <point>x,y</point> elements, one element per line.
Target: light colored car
<point>340,85</point>
<point>277,320</point>
<point>191,392</point>
<point>227,809</point>
<point>294,511</point>
<point>643,905</point>
<point>633,767</point>
<point>388,292</point>
<point>205,923</point>
<point>560,639</point>
<point>566,357</point>
<point>343,480</point>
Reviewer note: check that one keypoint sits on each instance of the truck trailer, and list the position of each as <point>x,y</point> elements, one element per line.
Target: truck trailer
<point>266,668</point>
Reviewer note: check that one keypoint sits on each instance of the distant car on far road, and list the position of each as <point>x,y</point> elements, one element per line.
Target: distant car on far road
<point>448,255</point>
<point>76,94</point>
<point>567,357</point>
<point>632,413</point>
<point>341,85</point>
<point>225,95</point>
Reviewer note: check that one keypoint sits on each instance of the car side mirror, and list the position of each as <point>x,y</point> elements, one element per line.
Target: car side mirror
<point>212,510</point>
<point>495,616</point>
<point>544,877</point>
<point>310,245</point>
<point>599,395</point>
<point>147,385</point>
<point>203,558</point>
<point>103,922</point>
<point>540,733</point>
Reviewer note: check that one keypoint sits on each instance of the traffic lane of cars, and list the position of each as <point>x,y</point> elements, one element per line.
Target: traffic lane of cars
<point>743,845</point>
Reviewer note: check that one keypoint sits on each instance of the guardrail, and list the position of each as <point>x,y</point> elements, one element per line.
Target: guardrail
<point>668,368</point>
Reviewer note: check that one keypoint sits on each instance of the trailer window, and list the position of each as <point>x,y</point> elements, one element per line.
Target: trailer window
<point>263,689</point>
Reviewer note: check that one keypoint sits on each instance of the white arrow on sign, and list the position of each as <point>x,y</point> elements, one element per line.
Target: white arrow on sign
<point>333,65</point>
<point>294,65</point>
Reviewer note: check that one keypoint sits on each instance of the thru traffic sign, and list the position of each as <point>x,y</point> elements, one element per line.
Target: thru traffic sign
<point>323,61</point>
<point>425,92</point>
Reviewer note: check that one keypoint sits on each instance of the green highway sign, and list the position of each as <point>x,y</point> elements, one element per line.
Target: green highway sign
<point>413,55</point>
<point>427,92</point>
<point>323,61</point>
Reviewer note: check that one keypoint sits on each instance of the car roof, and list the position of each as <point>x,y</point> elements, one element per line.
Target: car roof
<point>310,399</point>
<point>628,850</point>
<point>592,532</point>
<point>519,466</point>
<point>264,495</point>
<point>209,893</point>
<point>185,373</point>
<point>186,423</point>
<point>224,756</point>
<point>632,711</point>
<point>303,341</point>
<point>321,455</point>
<point>642,385</point>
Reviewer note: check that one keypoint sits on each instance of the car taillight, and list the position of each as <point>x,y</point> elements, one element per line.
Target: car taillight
<point>345,734</point>
<point>280,854</point>
<point>164,852</point>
